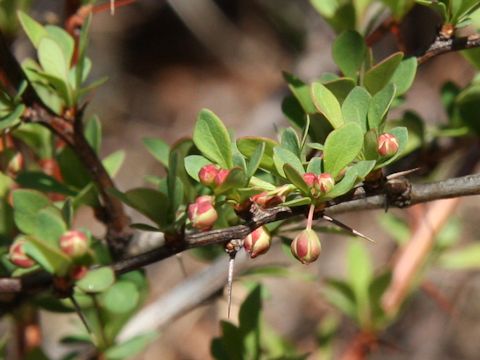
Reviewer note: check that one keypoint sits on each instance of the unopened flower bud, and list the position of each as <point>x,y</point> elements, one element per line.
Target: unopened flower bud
<point>15,164</point>
<point>202,213</point>
<point>221,176</point>
<point>51,168</point>
<point>325,182</point>
<point>257,242</point>
<point>207,174</point>
<point>74,243</point>
<point>18,256</point>
<point>310,179</point>
<point>266,200</point>
<point>387,145</point>
<point>306,246</point>
<point>79,272</point>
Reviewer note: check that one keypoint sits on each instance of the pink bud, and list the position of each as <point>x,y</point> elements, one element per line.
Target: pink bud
<point>79,272</point>
<point>310,179</point>
<point>74,243</point>
<point>257,242</point>
<point>207,174</point>
<point>221,176</point>
<point>387,145</point>
<point>266,200</point>
<point>15,165</point>
<point>18,256</point>
<point>202,213</point>
<point>325,182</point>
<point>306,246</point>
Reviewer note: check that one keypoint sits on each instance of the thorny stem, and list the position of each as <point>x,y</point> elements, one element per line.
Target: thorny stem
<point>231,265</point>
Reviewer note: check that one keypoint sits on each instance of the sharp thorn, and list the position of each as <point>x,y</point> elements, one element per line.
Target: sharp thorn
<point>402,173</point>
<point>182,265</point>
<point>81,315</point>
<point>112,7</point>
<point>346,227</point>
<point>231,264</point>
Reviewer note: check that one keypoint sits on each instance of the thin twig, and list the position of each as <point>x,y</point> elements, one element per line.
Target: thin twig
<point>443,45</point>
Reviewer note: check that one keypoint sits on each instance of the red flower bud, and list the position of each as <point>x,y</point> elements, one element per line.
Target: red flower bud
<point>310,179</point>
<point>387,145</point>
<point>18,256</point>
<point>51,168</point>
<point>306,246</point>
<point>266,200</point>
<point>74,243</point>
<point>325,182</point>
<point>207,174</point>
<point>257,242</point>
<point>221,176</point>
<point>202,213</point>
<point>319,184</point>
<point>15,165</point>
<point>79,272</point>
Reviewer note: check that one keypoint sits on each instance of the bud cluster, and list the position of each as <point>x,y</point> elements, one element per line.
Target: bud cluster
<point>202,213</point>
<point>319,184</point>
<point>257,242</point>
<point>212,176</point>
<point>387,145</point>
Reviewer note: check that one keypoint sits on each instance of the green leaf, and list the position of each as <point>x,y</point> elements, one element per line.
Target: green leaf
<point>42,182</point>
<point>212,139</point>
<point>379,75</point>
<point>340,87</point>
<point>82,48</point>
<point>159,149</point>
<point>379,106</point>
<point>404,75</point>
<point>64,40</point>
<point>193,164</point>
<point>294,112</point>
<point>114,162</point>
<point>12,118</point>
<point>349,52</point>
<point>34,30</point>
<point>295,178</point>
<point>355,107</point>
<point>26,205</point>
<point>49,226</point>
<point>130,348</point>
<point>151,203</point>
<point>360,275</point>
<point>282,156</point>
<point>340,295</point>
<point>255,160</point>
<point>345,185</point>
<point>248,145</point>
<point>120,298</point>
<point>50,258</point>
<point>363,168</point>
<point>341,147</point>
<point>327,104</point>
<point>315,165</point>
<point>97,280</point>
<point>301,91</point>
<point>235,179</point>
<point>289,140</point>
<point>465,258</point>
<point>298,202</point>
<point>52,59</point>
<point>93,133</point>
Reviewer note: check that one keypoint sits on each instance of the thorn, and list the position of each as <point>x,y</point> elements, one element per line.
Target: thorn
<point>112,7</point>
<point>179,257</point>
<point>346,227</point>
<point>81,315</point>
<point>402,173</point>
<point>231,264</point>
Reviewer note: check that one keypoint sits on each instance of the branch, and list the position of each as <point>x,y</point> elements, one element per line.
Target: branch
<point>418,193</point>
<point>442,45</point>
<point>71,131</point>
